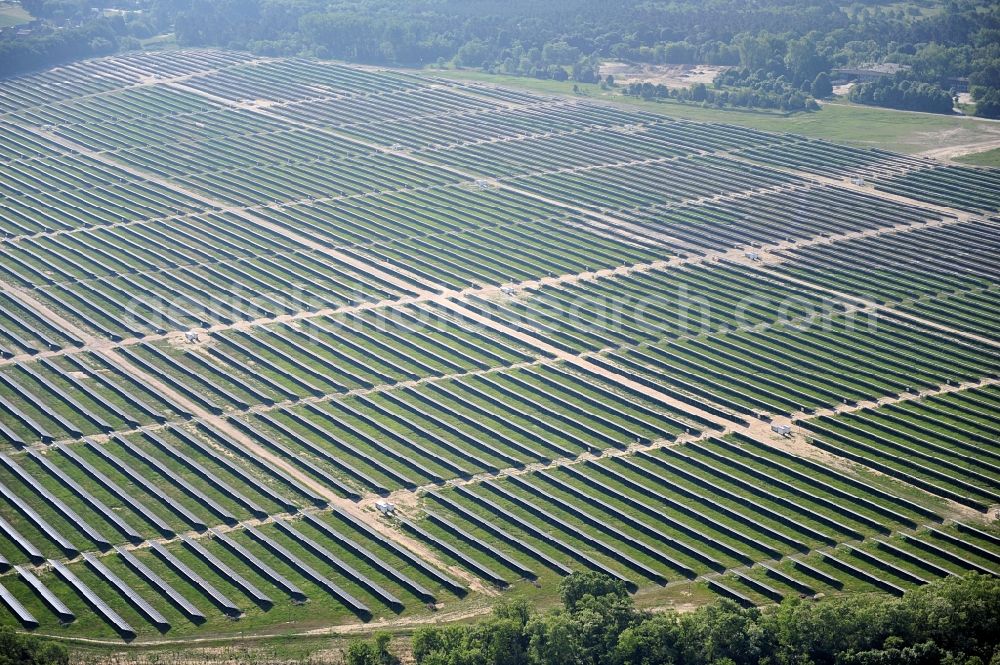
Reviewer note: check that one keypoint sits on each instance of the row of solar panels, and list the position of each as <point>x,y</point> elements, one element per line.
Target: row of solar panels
<point>225,604</point>
<point>52,369</point>
<point>244,479</point>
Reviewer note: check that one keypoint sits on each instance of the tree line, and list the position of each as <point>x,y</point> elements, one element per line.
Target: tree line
<point>785,41</point>
<point>901,93</point>
<point>19,55</point>
<point>778,46</point>
<point>955,621</point>
<point>90,34</point>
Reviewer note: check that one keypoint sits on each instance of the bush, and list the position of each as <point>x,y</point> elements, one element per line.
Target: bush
<point>373,652</point>
<point>18,649</point>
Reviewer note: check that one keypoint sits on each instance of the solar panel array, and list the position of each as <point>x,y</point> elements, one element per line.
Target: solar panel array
<point>245,300</point>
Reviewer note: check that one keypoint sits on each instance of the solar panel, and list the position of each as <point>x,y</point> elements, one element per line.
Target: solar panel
<point>117,389</point>
<point>39,521</point>
<point>345,569</point>
<point>176,479</point>
<point>871,578</point>
<point>71,515</point>
<point>115,489</point>
<point>233,468</point>
<point>208,475</point>
<point>347,599</point>
<point>406,554</point>
<point>13,437</point>
<point>175,597</point>
<point>127,592</point>
<point>50,599</point>
<point>18,610</point>
<point>229,444</point>
<point>227,573</point>
<point>33,552</point>
<point>491,527</point>
<point>470,563</point>
<point>40,404</point>
<point>79,408</point>
<point>89,498</point>
<point>91,393</point>
<point>300,460</point>
<point>226,605</point>
<point>93,599</point>
<point>267,571</point>
<point>370,557</point>
<point>26,420</point>
<point>149,487</point>
<point>480,544</point>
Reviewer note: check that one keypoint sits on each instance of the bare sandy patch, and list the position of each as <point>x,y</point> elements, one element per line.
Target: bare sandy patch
<point>672,76</point>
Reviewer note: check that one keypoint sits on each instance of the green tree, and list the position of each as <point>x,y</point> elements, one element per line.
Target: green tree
<point>803,62</point>
<point>724,632</point>
<point>599,621</point>
<point>577,586</point>
<point>472,54</point>
<point>955,621</point>
<point>761,52</point>
<point>821,86</point>
<point>18,649</point>
<point>597,609</point>
<point>371,652</point>
<point>987,101</point>
<point>502,639</point>
<point>553,640</point>
<point>651,642</point>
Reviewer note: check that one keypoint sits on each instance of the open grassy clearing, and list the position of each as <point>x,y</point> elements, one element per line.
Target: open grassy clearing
<point>989,158</point>
<point>12,13</point>
<point>850,124</point>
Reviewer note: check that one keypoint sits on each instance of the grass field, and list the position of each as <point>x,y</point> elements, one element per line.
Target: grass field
<point>989,158</point>
<point>12,13</point>
<point>851,124</point>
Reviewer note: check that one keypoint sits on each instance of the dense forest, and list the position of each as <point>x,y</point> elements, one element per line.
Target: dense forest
<point>779,47</point>
<point>955,621</point>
